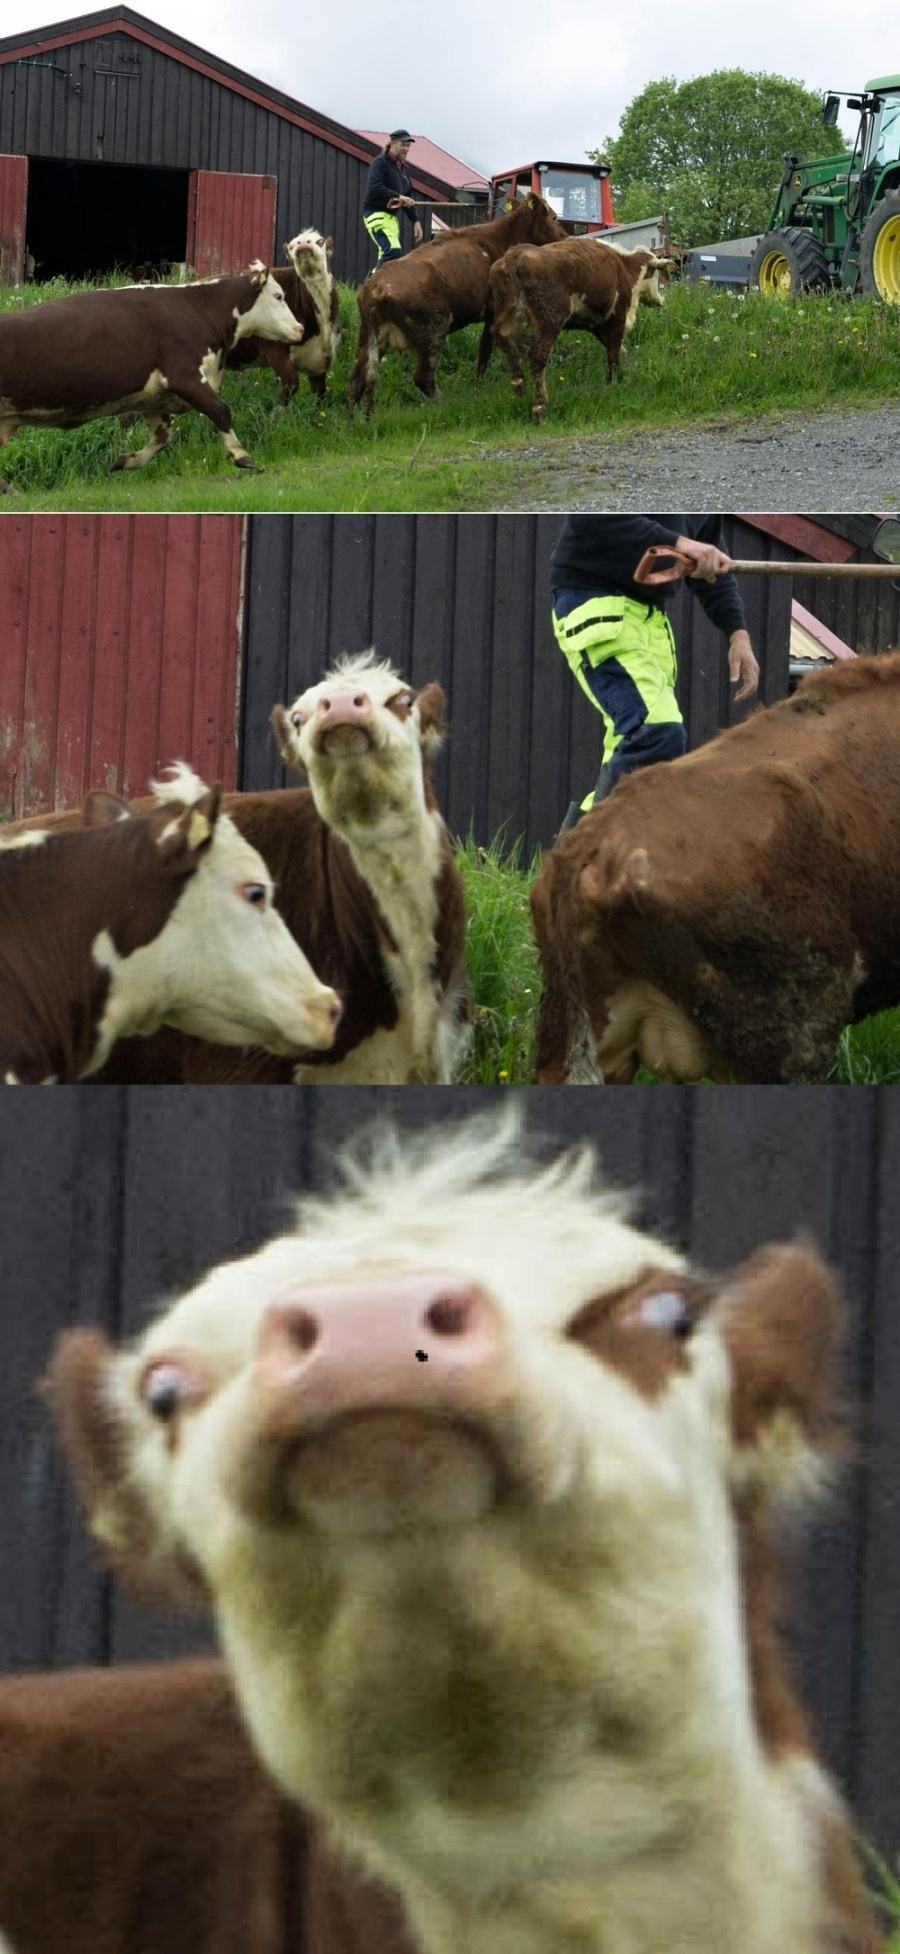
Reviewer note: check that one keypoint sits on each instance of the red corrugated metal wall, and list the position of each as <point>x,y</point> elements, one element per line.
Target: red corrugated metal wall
<point>231,221</point>
<point>13,203</point>
<point>120,651</point>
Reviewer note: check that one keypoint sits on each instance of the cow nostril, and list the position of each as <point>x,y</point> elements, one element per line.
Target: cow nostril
<point>448,1315</point>
<point>301,1329</point>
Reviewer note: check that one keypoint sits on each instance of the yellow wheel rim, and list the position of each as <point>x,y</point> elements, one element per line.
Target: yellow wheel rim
<point>886,261</point>
<point>775,275</point>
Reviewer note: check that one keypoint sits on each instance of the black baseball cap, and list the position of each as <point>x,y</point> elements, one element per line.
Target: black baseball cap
<point>400,135</point>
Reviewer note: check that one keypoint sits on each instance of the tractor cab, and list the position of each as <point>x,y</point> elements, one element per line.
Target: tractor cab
<point>578,193</point>
<point>836,221</point>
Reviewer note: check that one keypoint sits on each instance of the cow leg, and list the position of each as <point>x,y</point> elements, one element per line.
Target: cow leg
<point>278,357</point>
<point>365,372</point>
<point>7,430</point>
<point>613,335</point>
<point>201,394</point>
<point>486,343</point>
<point>318,383</point>
<point>427,341</point>
<point>160,426</point>
<point>539,353</point>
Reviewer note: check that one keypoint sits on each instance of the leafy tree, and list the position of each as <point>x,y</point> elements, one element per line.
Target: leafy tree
<point>709,150</point>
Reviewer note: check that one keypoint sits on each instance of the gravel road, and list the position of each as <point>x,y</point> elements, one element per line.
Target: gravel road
<point>841,460</point>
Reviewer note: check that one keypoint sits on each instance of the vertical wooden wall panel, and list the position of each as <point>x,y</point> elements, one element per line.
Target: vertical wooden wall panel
<point>120,652</point>
<point>13,205</point>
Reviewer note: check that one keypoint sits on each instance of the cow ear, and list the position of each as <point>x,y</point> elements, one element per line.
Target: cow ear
<point>779,1317</point>
<point>184,841</point>
<point>286,738</point>
<point>101,808</point>
<point>329,246</point>
<point>97,1440</point>
<point>430,702</point>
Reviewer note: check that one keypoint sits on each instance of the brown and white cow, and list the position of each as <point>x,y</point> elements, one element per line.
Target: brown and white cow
<point>366,883</point>
<point>579,283</point>
<point>135,1817</point>
<point>312,294</point>
<point>412,303</point>
<point>138,349</point>
<point>134,921</point>
<point>729,913</point>
<point>482,1483</point>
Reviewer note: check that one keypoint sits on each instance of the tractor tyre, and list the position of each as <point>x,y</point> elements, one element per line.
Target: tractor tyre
<point>879,251</point>
<point>788,262</point>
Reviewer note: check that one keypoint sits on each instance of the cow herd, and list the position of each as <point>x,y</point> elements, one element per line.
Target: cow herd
<point>160,350</point>
<point>724,915</point>
<point>482,1486</point>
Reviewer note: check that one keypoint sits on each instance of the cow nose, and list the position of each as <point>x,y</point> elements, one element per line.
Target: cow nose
<point>427,1342</point>
<point>345,709</point>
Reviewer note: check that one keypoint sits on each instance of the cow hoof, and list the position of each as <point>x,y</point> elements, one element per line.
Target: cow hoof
<point>120,462</point>
<point>537,413</point>
<point>244,461</point>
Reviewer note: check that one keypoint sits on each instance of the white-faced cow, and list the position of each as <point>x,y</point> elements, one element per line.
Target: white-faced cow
<point>312,294</point>
<point>481,1484</point>
<point>140,349</point>
<point>729,913</point>
<point>134,921</point>
<point>412,303</point>
<point>367,883</point>
<point>579,283</point>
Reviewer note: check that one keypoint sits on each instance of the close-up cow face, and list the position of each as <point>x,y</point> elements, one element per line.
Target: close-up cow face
<point>361,735</point>
<point>513,1357</point>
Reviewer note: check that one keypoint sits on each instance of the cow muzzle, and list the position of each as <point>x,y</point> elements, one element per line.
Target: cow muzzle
<point>344,724</point>
<point>373,1402</point>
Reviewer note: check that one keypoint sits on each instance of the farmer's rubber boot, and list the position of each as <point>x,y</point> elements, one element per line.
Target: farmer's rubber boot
<point>604,786</point>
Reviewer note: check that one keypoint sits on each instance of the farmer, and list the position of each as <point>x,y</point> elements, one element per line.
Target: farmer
<point>388,191</point>
<point>617,639</point>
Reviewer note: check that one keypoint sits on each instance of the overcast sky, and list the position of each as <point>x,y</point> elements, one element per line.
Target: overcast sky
<point>502,85</point>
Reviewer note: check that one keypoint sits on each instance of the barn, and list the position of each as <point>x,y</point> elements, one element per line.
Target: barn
<point>123,145</point>
<point>132,639</point>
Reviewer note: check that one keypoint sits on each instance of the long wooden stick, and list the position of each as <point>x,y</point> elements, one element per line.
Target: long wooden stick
<point>818,569</point>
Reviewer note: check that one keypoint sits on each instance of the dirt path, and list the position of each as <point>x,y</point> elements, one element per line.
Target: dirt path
<point>847,458</point>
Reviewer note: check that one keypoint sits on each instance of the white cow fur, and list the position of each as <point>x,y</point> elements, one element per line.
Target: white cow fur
<point>309,256</point>
<point>359,1658</point>
<point>221,967</point>
<point>375,802</point>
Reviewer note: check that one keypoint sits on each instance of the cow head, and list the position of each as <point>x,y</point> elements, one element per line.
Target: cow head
<point>460,1362</point>
<point>263,310</point>
<point>364,738</point>
<point>647,267</point>
<point>310,254</point>
<point>222,964</point>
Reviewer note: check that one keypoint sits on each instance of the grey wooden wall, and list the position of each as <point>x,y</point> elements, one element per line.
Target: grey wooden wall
<point>121,1196</point>
<point>466,600</point>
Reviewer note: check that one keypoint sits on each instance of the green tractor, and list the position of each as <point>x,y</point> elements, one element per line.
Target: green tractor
<point>836,223</point>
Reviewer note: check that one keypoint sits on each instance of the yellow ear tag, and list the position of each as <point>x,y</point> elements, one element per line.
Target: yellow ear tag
<point>199,828</point>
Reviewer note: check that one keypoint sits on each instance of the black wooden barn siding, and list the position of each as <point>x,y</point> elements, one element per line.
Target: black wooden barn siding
<point>125,1195</point>
<point>170,116</point>
<point>466,600</point>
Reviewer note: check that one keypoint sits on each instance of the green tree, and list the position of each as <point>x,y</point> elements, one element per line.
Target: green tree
<point>709,150</point>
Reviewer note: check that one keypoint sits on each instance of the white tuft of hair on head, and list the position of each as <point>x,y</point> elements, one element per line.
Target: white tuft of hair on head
<point>181,783</point>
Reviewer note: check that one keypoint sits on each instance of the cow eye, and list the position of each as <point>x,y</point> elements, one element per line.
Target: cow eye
<point>666,1310</point>
<point>165,1388</point>
<point>298,719</point>
<point>255,893</point>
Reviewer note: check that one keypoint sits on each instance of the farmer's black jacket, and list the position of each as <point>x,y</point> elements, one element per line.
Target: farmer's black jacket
<point>599,555</point>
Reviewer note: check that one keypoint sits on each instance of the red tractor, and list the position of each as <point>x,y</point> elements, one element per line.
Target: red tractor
<point>579,193</point>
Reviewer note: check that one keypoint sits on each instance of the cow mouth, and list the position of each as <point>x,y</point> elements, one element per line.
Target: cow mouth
<point>386,1471</point>
<point>345,742</point>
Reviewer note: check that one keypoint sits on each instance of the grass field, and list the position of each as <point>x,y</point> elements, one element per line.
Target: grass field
<point>706,354</point>
<point>506,985</point>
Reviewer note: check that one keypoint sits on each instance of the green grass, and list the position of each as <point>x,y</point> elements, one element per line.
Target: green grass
<point>884,1888</point>
<point>706,355</point>
<point>506,984</point>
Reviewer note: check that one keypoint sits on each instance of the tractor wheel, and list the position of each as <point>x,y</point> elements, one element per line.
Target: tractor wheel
<point>787,262</point>
<point>879,250</point>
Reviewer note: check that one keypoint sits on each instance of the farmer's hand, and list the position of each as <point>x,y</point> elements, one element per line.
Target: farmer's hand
<point>710,563</point>
<point>742,665</point>
<point>394,203</point>
<point>417,231</point>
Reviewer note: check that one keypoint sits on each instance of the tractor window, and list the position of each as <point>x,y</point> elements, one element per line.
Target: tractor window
<point>575,197</point>
<point>885,138</point>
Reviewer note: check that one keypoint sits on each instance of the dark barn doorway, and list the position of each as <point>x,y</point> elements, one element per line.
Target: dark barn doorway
<point>88,219</point>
